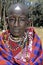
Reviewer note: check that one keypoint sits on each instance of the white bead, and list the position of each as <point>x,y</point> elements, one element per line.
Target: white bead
<point>30,32</point>
<point>31,49</point>
<point>31,42</point>
<point>22,57</point>
<point>3,31</point>
<point>24,60</point>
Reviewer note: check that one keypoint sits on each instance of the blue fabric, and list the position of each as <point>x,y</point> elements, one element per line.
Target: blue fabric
<point>36,52</point>
<point>36,63</point>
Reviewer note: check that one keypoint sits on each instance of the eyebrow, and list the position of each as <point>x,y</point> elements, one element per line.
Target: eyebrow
<point>13,16</point>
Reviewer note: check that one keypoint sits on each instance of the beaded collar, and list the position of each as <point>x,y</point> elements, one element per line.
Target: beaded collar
<point>28,35</point>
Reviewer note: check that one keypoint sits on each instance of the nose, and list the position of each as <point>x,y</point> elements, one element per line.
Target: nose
<point>16,23</point>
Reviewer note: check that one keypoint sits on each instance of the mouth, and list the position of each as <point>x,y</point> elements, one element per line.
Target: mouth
<point>16,31</point>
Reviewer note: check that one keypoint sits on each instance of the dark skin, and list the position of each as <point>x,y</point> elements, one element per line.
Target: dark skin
<point>17,22</point>
<point>17,19</point>
<point>17,25</point>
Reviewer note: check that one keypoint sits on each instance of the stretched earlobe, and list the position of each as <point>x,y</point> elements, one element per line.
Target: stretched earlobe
<point>6,19</point>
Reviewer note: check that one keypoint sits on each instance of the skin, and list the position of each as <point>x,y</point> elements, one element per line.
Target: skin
<point>17,25</point>
<point>17,19</point>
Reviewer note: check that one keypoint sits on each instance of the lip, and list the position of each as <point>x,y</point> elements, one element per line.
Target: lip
<point>16,30</point>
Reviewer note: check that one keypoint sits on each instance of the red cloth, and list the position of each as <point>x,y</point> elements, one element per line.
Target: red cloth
<point>7,58</point>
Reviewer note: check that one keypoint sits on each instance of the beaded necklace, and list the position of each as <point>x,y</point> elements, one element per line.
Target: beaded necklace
<point>19,41</point>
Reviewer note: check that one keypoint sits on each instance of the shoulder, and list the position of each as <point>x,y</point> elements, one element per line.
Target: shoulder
<point>36,38</point>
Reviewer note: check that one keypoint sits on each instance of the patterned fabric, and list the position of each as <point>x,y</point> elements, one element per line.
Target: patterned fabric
<point>36,57</point>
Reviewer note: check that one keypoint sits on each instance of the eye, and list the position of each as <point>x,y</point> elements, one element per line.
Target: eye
<point>21,19</point>
<point>12,20</point>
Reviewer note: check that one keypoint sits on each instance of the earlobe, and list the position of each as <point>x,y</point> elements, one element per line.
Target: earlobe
<point>6,19</point>
<point>27,22</point>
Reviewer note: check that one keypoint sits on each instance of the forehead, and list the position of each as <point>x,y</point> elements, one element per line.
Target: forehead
<point>14,15</point>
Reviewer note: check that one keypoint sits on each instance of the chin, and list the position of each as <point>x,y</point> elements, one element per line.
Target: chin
<point>18,34</point>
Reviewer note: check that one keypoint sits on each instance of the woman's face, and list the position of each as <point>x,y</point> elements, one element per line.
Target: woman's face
<point>17,25</point>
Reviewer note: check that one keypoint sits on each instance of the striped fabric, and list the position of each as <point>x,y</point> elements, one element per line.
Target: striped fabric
<point>36,57</point>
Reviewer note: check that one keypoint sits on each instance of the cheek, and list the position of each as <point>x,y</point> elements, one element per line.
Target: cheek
<point>22,24</point>
<point>11,25</point>
<point>23,27</point>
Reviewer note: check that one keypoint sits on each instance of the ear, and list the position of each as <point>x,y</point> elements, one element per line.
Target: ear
<point>7,22</point>
<point>28,23</point>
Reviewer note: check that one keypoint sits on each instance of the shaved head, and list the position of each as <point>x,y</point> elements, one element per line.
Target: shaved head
<point>18,9</point>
